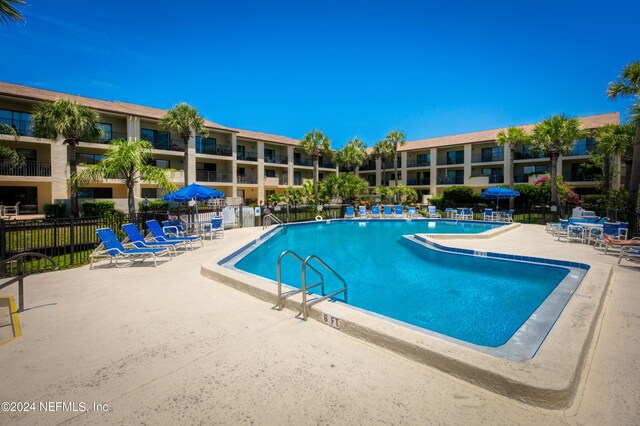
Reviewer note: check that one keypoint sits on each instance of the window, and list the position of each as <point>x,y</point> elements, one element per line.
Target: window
<point>106,132</point>
<point>455,157</point>
<point>241,171</point>
<point>240,152</point>
<point>535,170</point>
<point>162,164</point>
<point>492,154</point>
<point>29,154</point>
<point>270,155</point>
<point>583,147</point>
<point>206,146</point>
<point>20,121</point>
<point>491,171</point>
<point>95,193</point>
<point>149,193</point>
<point>423,159</point>
<point>89,158</point>
<point>159,140</point>
<point>269,173</point>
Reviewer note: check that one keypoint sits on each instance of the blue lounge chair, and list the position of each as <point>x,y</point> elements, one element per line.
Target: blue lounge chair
<point>173,228</point>
<point>215,228</point>
<point>433,212</point>
<point>111,248</point>
<point>467,214</point>
<point>159,234</point>
<point>349,213</point>
<point>398,211</point>
<point>412,212</point>
<point>375,212</point>
<point>488,215</point>
<point>136,238</point>
<point>387,211</point>
<point>362,210</point>
<point>630,253</point>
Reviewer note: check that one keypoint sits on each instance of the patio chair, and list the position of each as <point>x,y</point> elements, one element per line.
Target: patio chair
<point>349,213</point>
<point>450,212</point>
<point>433,212</point>
<point>375,212</point>
<point>215,228</point>
<point>135,237</point>
<point>507,216</point>
<point>488,215</point>
<point>398,211</point>
<point>459,213</point>
<point>173,228</point>
<point>630,252</point>
<point>111,248</point>
<point>612,231</point>
<point>560,228</point>
<point>12,210</point>
<point>467,214</point>
<point>387,212</point>
<point>159,234</point>
<point>412,212</point>
<point>362,212</point>
<point>618,244</point>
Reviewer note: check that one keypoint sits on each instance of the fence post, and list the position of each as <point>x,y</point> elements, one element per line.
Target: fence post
<point>3,246</point>
<point>72,241</point>
<point>240,217</point>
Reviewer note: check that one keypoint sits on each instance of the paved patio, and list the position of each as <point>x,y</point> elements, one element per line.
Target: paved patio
<point>166,345</point>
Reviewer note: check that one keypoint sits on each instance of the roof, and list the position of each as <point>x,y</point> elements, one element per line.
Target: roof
<point>588,122</point>
<point>266,137</point>
<point>35,94</point>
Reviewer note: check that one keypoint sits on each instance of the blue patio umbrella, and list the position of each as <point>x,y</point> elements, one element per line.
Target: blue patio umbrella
<point>497,193</point>
<point>193,192</point>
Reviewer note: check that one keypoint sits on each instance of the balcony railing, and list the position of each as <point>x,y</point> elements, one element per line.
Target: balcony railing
<point>29,168</point>
<point>276,159</point>
<point>247,156</point>
<point>327,164</point>
<point>496,179</point>
<point>109,136</point>
<point>479,158</point>
<point>582,178</point>
<point>302,161</point>
<point>165,144</point>
<point>247,179</point>
<point>297,180</point>
<point>223,150</point>
<point>446,160</point>
<point>447,180</point>
<point>389,164</point>
<point>284,180</point>
<point>414,181</point>
<point>22,127</point>
<point>521,155</point>
<point>209,176</point>
<point>367,166</point>
<point>416,163</point>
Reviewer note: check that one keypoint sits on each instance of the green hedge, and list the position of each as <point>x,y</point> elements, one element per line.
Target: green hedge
<point>54,210</point>
<point>458,195</point>
<point>98,208</point>
<point>154,206</point>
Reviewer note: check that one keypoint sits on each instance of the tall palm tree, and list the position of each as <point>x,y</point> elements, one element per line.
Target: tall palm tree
<point>186,121</point>
<point>313,144</point>
<point>8,154</point>
<point>628,84</point>
<point>383,150</point>
<point>510,138</point>
<point>352,154</point>
<point>395,139</point>
<point>128,161</point>
<point>615,140</point>
<point>72,122</point>
<point>556,136</point>
<point>9,12</point>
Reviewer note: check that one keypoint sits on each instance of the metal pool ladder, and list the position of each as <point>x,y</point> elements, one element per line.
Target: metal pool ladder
<point>304,306</point>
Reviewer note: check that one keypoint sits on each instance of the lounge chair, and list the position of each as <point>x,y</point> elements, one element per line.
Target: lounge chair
<point>349,213</point>
<point>12,210</point>
<point>433,212</point>
<point>613,231</point>
<point>467,214</point>
<point>450,212</point>
<point>618,244</point>
<point>375,212</point>
<point>111,248</point>
<point>159,234</point>
<point>215,228</point>
<point>458,214</point>
<point>173,228</point>
<point>362,211</point>
<point>387,212</point>
<point>507,216</point>
<point>398,211</point>
<point>630,252</point>
<point>412,212</point>
<point>135,237</point>
<point>489,215</point>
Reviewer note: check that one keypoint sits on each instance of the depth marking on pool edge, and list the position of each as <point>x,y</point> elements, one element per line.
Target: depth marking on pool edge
<point>331,320</point>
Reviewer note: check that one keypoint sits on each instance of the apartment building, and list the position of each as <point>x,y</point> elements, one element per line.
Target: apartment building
<point>475,159</point>
<point>252,165</point>
<point>241,163</point>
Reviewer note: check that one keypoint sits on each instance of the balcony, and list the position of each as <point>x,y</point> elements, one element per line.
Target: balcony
<point>480,158</point>
<point>210,176</point>
<point>109,136</point>
<point>222,150</point>
<point>283,180</point>
<point>578,177</point>
<point>165,143</point>
<point>22,127</point>
<point>443,161</point>
<point>247,156</point>
<point>175,175</point>
<point>448,180</point>
<point>418,163</point>
<point>271,181</point>
<point>414,181</point>
<point>276,159</point>
<point>389,164</point>
<point>302,161</point>
<point>327,164</point>
<point>367,166</point>
<point>297,181</point>
<point>528,178</point>
<point>525,155</point>
<point>496,179</point>
<point>245,179</point>
<point>29,168</point>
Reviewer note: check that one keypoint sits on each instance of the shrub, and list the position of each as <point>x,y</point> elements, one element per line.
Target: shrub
<point>54,210</point>
<point>154,206</point>
<point>98,208</point>
<point>461,194</point>
<point>593,201</point>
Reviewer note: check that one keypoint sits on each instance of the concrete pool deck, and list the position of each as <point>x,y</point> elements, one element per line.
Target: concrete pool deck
<point>167,345</point>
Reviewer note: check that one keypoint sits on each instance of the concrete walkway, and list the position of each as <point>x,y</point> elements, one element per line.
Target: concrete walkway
<point>168,346</point>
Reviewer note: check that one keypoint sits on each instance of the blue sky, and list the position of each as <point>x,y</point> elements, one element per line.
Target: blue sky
<point>348,68</point>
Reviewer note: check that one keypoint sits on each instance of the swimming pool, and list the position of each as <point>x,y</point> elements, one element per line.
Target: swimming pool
<point>477,300</point>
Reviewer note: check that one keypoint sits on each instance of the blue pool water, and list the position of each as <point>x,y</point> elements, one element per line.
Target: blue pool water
<point>479,300</point>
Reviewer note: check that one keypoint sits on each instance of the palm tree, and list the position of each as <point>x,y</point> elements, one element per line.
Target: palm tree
<point>556,136</point>
<point>510,138</point>
<point>11,156</point>
<point>128,161</point>
<point>628,84</point>
<point>615,140</point>
<point>383,150</point>
<point>184,120</point>
<point>352,154</point>
<point>395,138</point>
<point>72,122</point>
<point>9,12</point>
<point>313,144</point>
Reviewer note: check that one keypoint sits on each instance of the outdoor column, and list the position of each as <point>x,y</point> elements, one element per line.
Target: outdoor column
<point>433,171</point>
<point>59,173</point>
<point>403,168</point>
<point>290,151</point>
<point>505,166</point>
<point>191,150</point>
<point>378,172</point>
<point>467,163</point>
<point>234,165</point>
<point>260,147</point>
<point>133,128</point>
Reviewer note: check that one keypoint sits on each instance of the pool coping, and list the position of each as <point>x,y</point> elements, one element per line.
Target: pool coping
<point>549,380</point>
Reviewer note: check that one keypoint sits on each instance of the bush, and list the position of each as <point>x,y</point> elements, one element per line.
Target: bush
<point>529,194</point>
<point>98,208</point>
<point>54,210</point>
<point>461,194</point>
<point>593,201</point>
<point>154,206</point>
